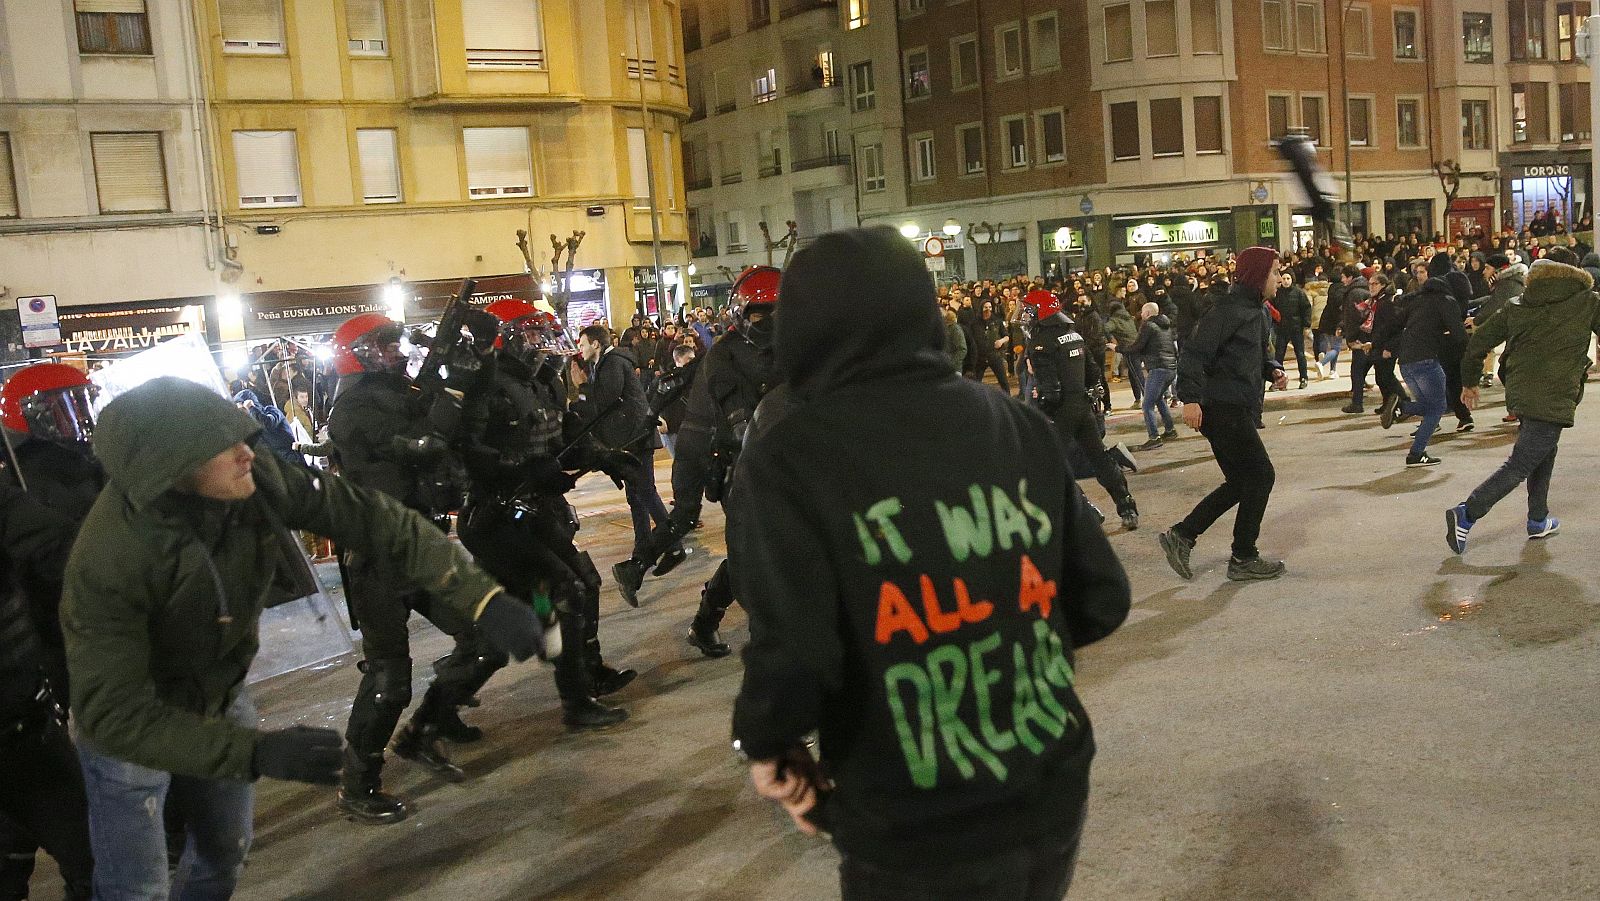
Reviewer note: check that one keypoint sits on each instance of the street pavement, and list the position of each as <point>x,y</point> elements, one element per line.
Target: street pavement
<point>1388,721</point>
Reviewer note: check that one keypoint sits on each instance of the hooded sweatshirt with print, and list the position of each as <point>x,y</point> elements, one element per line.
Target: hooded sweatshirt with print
<point>918,566</point>
<point>164,589</point>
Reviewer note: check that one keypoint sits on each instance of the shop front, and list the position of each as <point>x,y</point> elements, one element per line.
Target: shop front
<point>1160,239</point>
<point>1405,217</point>
<point>999,253</point>
<point>1541,190</point>
<point>1063,246</point>
<point>102,331</point>
<point>653,301</point>
<point>314,312</point>
<point>1468,216</point>
<point>425,301</point>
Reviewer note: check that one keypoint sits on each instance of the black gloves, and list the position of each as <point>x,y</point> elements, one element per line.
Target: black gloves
<point>512,626</point>
<point>545,476</point>
<point>616,464</point>
<point>299,754</point>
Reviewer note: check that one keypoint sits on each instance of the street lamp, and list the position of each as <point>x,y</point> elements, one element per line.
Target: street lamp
<point>1063,239</point>
<point>910,230</point>
<point>394,297</point>
<point>951,228</point>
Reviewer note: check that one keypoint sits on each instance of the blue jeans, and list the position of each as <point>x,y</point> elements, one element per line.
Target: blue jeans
<point>1426,380</point>
<point>126,804</point>
<point>644,501</point>
<point>1329,347</point>
<point>1155,387</point>
<point>1532,460</point>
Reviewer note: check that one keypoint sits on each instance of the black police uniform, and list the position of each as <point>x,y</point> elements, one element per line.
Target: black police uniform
<point>389,436</point>
<point>1064,377</point>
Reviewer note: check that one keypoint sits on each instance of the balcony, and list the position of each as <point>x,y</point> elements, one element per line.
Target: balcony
<point>697,184</point>
<point>796,7</point>
<point>772,171</point>
<point>702,251</point>
<point>728,107</point>
<point>820,162</point>
<point>696,113</point>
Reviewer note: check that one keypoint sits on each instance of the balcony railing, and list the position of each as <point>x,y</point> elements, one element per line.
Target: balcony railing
<point>697,184</point>
<point>796,7</point>
<point>733,178</point>
<point>703,251</point>
<point>810,84</point>
<point>772,171</point>
<point>728,107</point>
<point>821,162</point>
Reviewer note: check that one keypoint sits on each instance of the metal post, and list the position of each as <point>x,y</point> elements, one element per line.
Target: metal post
<point>649,157</point>
<point>1344,90</point>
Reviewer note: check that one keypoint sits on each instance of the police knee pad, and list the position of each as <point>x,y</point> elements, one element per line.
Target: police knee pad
<point>587,571</point>
<point>387,682</point>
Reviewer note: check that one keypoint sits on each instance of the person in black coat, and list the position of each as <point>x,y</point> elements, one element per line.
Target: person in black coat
<point>1356,311</point>
<point>1157,351</point>
<point>1433,331</point>
<point>1294,317</point>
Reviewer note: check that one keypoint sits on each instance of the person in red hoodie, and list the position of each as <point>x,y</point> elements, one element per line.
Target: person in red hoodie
<point>918,568</point>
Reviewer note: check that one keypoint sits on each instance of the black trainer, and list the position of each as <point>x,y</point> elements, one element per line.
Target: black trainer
<point>1169,435</point>
<point>590,714</point>
<point>453,730</point>
<point>368,804</point>
<point>609,681</point>
<point>1417,461</point>
<point>1387,411</point>
<point>1152,444</point>
<point>629,576</point>
<point>1255,569</point>
<point>1177,549</point>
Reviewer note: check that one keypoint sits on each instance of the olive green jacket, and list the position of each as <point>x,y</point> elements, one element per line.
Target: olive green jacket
<point>164,589</point>
<point>1546,332</point>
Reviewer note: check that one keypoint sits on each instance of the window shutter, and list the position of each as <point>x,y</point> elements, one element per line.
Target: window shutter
<point>8,187</point>
<point>380,164</point>
<point>110,6</point>
<point>667,167</point>
<point>364,20</point>
<point>502,25</point>
<point>498,162</point>
<point>128,172</point>
<point>1208,124</point>
<point>252,24</point>
<point>638,170</point>
<point>1166,126</point>
<point>267,168</point>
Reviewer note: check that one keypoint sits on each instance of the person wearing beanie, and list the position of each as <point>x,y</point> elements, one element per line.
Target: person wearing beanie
<point>863,523</point>
<point>1357,325</point>
<point>1547,331</point>
<point>1223,371</point>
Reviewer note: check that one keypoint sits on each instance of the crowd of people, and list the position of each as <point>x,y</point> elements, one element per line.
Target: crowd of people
<point>143,544</point>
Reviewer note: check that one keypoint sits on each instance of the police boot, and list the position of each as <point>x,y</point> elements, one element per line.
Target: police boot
<point>1129,511</point>
<point>603,679</point>
<point>360,793</point>
<point>703,630</point>
<point>419,743</point>
<point>579,709</point>
<point>629,576</point>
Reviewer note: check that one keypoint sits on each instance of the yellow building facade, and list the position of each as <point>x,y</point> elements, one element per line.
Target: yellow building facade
<point>359,144</point>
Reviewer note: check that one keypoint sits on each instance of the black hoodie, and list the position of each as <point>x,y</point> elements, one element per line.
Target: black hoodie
<point>1226,360</point>
<point>917,566</point>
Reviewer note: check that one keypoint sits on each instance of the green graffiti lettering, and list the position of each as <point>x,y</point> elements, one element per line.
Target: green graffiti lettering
<point>1045,686</point>
<point>869,545</point>
<point>967,532</point>
<point>882,515</point>
<point>1009,523</point>
<point>916,744</point>
<point>1058,669</point>
<point>982,678</point>
<point>1041,518</point>
<point>1025,707</point>
<point>946,701</point>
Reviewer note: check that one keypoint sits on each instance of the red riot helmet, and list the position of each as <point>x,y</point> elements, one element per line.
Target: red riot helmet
<point>756,291</point>
<point>360,345</point>
<point>51,401</point>
<point>524,327</point>
<point>1046,302</point>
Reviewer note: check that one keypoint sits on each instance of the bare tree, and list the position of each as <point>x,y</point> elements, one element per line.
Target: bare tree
<point>563,292</point>
<point>788,241</point>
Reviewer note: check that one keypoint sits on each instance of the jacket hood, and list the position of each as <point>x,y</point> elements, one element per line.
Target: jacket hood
<point>1550,282</point>
<point>1591,260</point>
<point>858,306</point>
<point>159,432</point>
<point>1160,321</point>
<point>1516,272</point>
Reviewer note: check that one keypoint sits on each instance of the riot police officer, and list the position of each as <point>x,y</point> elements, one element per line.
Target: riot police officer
<point>517,523</point>
<point>1064,379</point>
<point>388,435</point>
<point>735,375</point>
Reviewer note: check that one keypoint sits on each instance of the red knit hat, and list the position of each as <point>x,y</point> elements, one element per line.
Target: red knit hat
<point>1254,266</point>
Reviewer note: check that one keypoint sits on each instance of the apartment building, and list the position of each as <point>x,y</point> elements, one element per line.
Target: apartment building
<point>795,120</point>
<point>104,199</point>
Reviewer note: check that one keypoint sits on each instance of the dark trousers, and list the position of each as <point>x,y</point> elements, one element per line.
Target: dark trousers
<point>1078,424</point>
<point>1388,383</point>
<point>1532,460</point>
<point>1361,363</point>
<point>1296,339</point>
<point>989,358</point>
<point>644,501</point>
<point>1247,478</point>
<point>1041,872</point>
<point>42,798</point>
<point>1451,360</point>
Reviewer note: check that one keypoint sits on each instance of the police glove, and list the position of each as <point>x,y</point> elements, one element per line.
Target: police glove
<point>298,754</point>
<point>545,476</point>
<point>619,465</point>
<point>512,627</point>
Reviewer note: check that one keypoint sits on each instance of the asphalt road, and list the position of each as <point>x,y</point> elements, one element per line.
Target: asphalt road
<point>1387,721</point>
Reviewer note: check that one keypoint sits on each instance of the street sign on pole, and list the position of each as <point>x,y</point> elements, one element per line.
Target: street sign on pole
<point>935,264</point>
<point>41,326</point>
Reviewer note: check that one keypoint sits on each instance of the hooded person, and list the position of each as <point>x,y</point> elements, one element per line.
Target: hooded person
<point>1460,288</point>
<point>1223,371</point>
<point>164,591</point>
<point>865,495</point>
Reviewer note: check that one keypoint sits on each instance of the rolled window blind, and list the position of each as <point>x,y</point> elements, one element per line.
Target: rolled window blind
<point>502,25</point>
<point>252,22</point>
<point>364,18</point>
<point>128,172</point>
<point>498,162</point>
<point>380,164</point>
<point>638,169</point>
<point>110,6</point>
<point>267,167</point>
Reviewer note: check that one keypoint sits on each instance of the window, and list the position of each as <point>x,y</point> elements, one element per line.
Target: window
<point>1125,131</point>
<point>665,165</point>
<point>638,169</point>
<point>1359,121</point>
<point>498,162</point>
<point>1015,129</point>
<point>858,18</point>
<point>1477,37</point>
<point>367,34</point>
<point>764,87</point>
<point>1309,36</point>
<point>919,84</point>
<point>922,159</point>
<point>969,139</point>
<point>824,66</point>
<point>734,227</point>
<point>129,173</point>
<point>732,166</point>
<point>378,150</point>
<point>1406,44</point>
<point>1569,18</point>
<point>916,7</point>
<point>113,26</point>
<point>964,62</point>
<point>1530,113</point>
<point>8,184</point>
<point>1275,24</point>
<point>1119,33</point>
<point>1008,50</point>
<point>509,34</point>
<point>1160,28</point>
<point>1408,122</point>
<point>1474,125</point>
<point>1052,127</point>
<point>1311,108</point>
<point>268,168</point>
<point>760,13</point>
<point>1574,102</point>
<point>1278,115</point>
<point>1045,42</point>
<point>1207,124</point>
<point>1358,31</point>
<point>1205,35</point>
<point>863,95</point>
<point>1526,23</point>
<point>252,26</point>
<point>1166,126</point>
<point>872,178</point>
